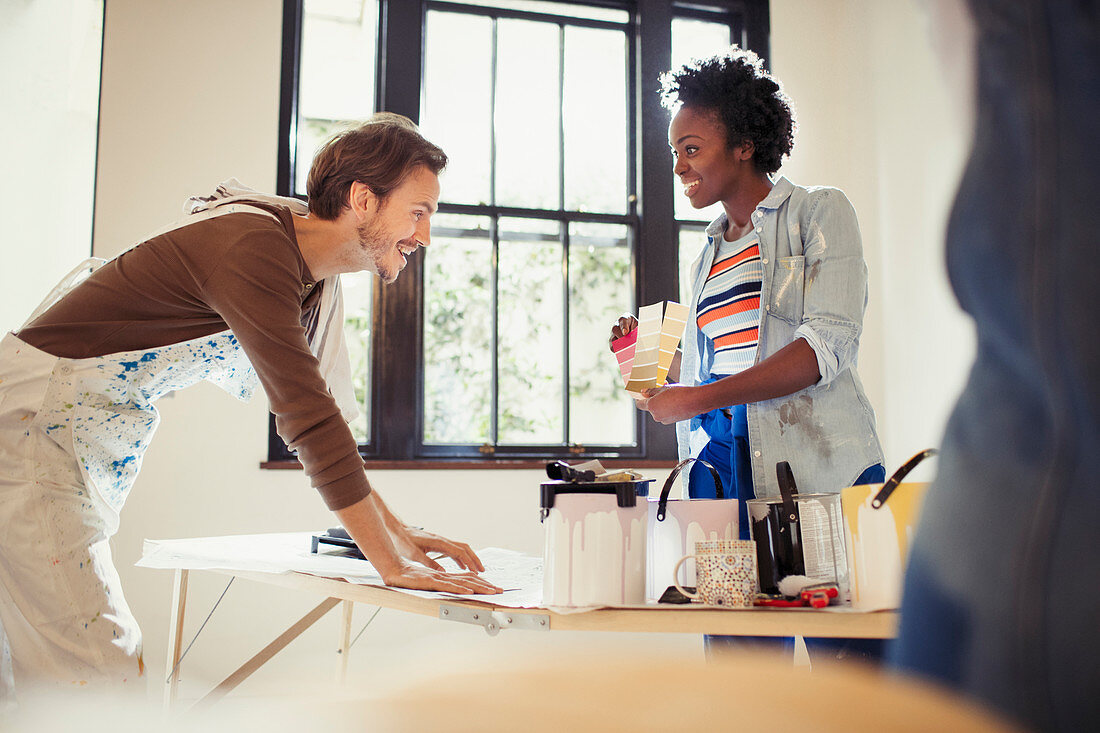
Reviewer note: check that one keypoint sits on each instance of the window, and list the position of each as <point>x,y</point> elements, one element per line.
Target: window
<point>555,215</point>
<point>699,34</point>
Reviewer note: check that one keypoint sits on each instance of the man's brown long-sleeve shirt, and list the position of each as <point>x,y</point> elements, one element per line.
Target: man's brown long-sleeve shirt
<point>241,271</point>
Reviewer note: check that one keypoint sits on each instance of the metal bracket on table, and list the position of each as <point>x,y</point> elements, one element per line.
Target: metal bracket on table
<point>494,621</point>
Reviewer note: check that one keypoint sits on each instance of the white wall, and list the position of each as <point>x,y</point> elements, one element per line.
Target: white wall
<point>878,120</point>
<point>190,96</point>
<point>49,57</point>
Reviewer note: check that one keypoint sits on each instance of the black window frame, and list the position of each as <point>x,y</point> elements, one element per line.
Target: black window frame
<point>396,428</point>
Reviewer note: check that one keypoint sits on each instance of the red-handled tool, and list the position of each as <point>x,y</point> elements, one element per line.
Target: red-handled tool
<point>818,596</point>
<point>815,596</point>
<point>778,601</point>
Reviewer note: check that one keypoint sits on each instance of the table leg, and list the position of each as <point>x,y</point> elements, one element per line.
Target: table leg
<point>345,642</point>
<point>265,654</point>
<point>175,637</point>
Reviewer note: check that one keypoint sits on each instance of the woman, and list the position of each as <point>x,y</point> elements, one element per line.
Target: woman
<point>768,370</point>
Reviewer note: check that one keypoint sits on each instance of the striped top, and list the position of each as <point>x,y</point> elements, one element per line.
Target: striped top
<point>729,306</point>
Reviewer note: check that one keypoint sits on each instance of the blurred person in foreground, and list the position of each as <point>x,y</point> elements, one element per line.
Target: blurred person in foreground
<point>1002,592</point>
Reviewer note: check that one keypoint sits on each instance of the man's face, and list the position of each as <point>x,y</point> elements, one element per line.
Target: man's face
<point>399,225</point>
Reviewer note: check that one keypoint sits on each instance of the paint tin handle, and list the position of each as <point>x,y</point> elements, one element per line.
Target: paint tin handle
<point>662,505</point>
<point>901,473</point>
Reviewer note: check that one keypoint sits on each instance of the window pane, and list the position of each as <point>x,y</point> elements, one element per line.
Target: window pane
<point>458,282</point>
<point>527,114</point>
<point>530,354</point>
<point>336,76</point>
<point>457,109</point>
<point>600,289</point>
<point>358,289</point>
<point>554,8</point>
<point>595,120</point>
<point>692,239</point>
<point>696,39</point>
<point>692,38</point>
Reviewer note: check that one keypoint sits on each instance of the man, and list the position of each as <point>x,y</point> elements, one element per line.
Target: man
<point>245,289</point>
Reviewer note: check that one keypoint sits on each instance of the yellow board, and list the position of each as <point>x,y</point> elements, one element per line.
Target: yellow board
<point>879,541</point>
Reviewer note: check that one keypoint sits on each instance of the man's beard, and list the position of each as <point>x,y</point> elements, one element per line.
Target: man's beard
<point>375,244</point>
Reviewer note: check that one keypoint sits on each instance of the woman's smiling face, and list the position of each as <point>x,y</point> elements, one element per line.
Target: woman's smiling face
<point>708,169</point>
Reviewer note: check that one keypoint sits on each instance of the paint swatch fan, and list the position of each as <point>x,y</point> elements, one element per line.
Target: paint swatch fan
<point>645,354</point>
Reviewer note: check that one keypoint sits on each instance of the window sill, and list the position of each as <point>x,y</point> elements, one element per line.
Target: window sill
<point>482,465</point>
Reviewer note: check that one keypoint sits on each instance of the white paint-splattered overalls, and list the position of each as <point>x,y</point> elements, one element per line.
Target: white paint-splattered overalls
<point>72,436</point>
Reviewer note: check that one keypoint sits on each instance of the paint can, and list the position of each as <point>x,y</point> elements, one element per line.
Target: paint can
<point>798,534</point>
<point>879,523</point>
<point>676,525</point>
<point>595,542</point>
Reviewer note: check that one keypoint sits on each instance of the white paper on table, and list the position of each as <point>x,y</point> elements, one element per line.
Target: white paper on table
<point>520,575</point>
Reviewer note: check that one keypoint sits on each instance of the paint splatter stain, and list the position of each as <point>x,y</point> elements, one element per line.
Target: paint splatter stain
<point>118,465</point>
<point>132,366</point>
<point>815,268</point>
<point>798,413</point>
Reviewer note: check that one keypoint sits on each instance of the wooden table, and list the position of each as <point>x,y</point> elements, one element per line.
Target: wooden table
<point>686,619</point>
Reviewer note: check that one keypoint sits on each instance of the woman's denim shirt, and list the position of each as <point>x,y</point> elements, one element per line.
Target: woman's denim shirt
<point>814,288</point>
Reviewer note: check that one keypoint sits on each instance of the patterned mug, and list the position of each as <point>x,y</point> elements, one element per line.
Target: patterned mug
<point>725,572</point>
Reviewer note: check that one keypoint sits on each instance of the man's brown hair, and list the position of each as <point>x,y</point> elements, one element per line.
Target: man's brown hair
<point>380,153</point>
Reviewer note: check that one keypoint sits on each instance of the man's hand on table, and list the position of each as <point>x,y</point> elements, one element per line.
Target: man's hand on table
<point>394,548</point>
<point>415,544</point>
<point>417,577</point>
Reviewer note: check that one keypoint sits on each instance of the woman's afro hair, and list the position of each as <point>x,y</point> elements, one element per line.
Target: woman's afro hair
<point>743,96</point>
